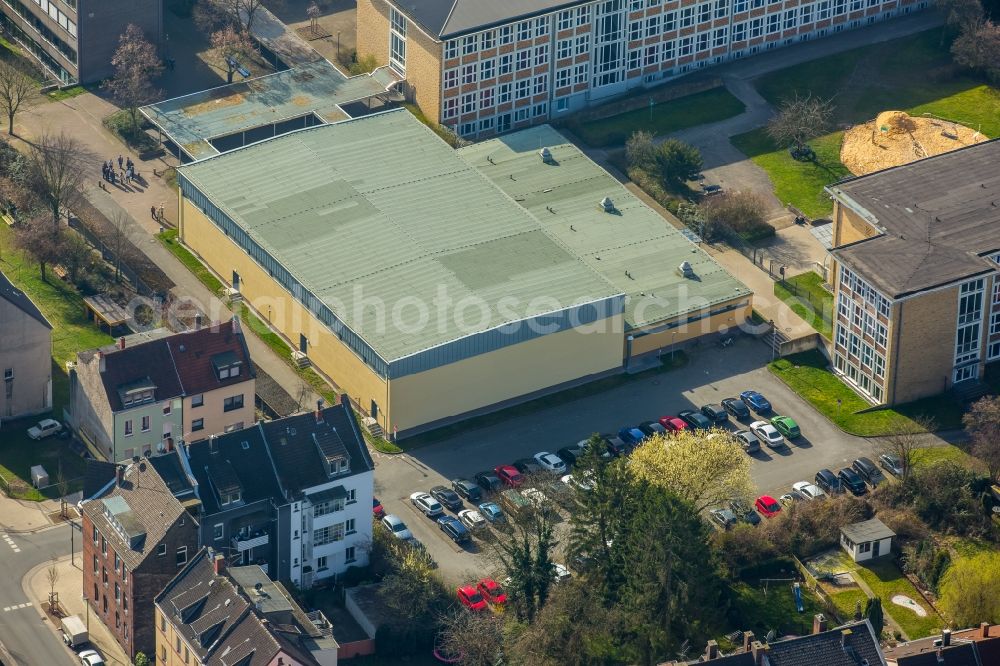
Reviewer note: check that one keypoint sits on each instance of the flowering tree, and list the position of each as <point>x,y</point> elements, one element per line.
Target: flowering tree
<point>136,64</point>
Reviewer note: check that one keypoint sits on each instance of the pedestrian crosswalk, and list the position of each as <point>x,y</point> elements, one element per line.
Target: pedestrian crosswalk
<point>10,542</point>
<point>7,609</point>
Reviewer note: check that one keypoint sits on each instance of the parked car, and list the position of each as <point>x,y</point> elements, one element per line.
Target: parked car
<point>767,506</point>
<point>808,491</point>
<point>492,591</point>
<point>527,466</point>
<point>550,462</point>
<point>631,436</point>
<point>447,497</point>
<point>736,408</point>
<point>570,454</point>
<point>828,481</point>
<point>614,445</point>
<point>578,482</point>
<point>748,441</point>
<point>509,475</point>
<point>377,509</point>
<point>472,519</point>
<point>471,598</point>
<point>673,423</point>
<point>396,527</point>
<point>711,190</point>
<point>787,426</point>
<point>852,481</point>
<point>791,498</point>
<point>724,518</point>
<point>467,489</point>
<point>44,428</point>
<point>756,401</point>
<point>695,419</point>
<point>560,572</point>
<point>492,513</point>
<point>867,470</point>
<point>744,513</point>
<point>715,413</point>
<point>454,528</point>
<point>91,658</point>
<point>488,481</point>
<point>652,428</point>
<point>891,464</point>
<point>426,504</point>
<point>767,434</point>
<point>539,500</point>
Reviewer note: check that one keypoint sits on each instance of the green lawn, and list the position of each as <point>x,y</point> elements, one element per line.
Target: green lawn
<point>806,374</point>
<point>846,600</point>
<point>66,93</point>
<point>71,332</point>
<point>807,298</point>
<point>886,580</point>
<point>912,74</point>
<point>669,116</point>
<point>191,262</point>
<point>932,455</point>
<point>761,613</point>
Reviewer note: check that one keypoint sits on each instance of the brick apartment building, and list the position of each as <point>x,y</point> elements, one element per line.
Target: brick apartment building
<point>488,67</point>
<point>136,537</point>
<point>916,275</point>
<point>74,40</point>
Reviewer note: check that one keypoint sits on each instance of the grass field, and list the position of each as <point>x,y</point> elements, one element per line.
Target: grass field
<point>913,74</point>
<point>71,332</point>
<point>66,93</point>
<point>807,298</point>
<point>886,580</point>
<point>933,455</point>
<point>670,116</point>
<point>806,374</point>
<point>775,610</point>
<point>846,600</point>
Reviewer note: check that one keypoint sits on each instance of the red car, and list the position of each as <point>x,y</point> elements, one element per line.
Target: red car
<point>377,508</point>
<point>491,591</point>
<point>767,506</point>
<point>673,423</point>
<point>470,598</point>
<point>509,475</point>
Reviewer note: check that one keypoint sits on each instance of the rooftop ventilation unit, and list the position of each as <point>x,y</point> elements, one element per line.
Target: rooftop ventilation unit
<point>545,154</point>
<point>685,270</point>
<point>607,205</point>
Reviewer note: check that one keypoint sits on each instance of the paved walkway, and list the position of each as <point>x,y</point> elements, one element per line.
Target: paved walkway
<point>24,516</point>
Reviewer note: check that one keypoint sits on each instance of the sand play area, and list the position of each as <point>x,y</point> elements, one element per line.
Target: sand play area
<point>895,138</point>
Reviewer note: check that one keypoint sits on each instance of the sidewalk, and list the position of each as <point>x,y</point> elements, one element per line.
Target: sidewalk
<point>22,516</point>
<point>84,114</point>
<point>69,587</point>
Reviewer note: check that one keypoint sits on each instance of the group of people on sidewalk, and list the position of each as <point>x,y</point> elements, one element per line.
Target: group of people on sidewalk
<point>125,173</point>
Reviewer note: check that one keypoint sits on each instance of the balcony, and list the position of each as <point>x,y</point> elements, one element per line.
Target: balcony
<point>250,539</point>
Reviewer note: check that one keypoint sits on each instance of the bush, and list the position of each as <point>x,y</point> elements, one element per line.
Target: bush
<point>807,528</point>
<point>740,212</point>
<point>134,136</point>
<point>742,548</point>
<point>926,561</point>
<point>943,498</point>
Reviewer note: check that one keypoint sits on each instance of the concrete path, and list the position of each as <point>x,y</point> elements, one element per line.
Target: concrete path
<point>20,516</point>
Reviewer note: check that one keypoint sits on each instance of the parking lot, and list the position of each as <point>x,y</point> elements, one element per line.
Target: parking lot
<point>711,375</point>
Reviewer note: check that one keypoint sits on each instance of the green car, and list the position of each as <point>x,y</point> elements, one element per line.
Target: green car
<point>786,426</point>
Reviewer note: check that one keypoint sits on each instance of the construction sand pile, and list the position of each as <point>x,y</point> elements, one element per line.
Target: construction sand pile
<point>895,138</point>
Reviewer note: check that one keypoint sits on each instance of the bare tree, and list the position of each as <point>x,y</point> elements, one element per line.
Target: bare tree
<point>798,120</point>
<point>52,576</point>
<point>738,211</point>
<point>17,88</point>
<point>982,422</point>
<point>978,47</point>
<point>136,64</point>
<point>41,244</point>
<point>312,11</point>
<point>960,14</point>
<point>58,163</point>
<point>76,255</point>
<point>116,237</point>
<point>475,638</point>
<point>62,485</point>
<point>905,441</point>
<point>241,14</point>
<point>232,45</point>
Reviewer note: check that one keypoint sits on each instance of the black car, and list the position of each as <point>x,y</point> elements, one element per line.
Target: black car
<point>828,481</point>
<point>570,454</point>
<point>451,526</point>
<point>527,466</point>
<point>736,408</point>
<point>467,489</point>
<point>447,497</point>
<point>744,513</point>
<point>715,413</point>
<point>852,481</point>
<point>616,446</point>
<point>489,481</point>
<point>696,420</point>
<point>650,428</point>
<point>867,470</point>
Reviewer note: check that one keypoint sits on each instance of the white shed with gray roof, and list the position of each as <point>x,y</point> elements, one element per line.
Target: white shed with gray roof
<point>866,540</point>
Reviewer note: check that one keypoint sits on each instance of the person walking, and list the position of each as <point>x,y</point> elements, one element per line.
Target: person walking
<point>119,161</point>
<point>152,211</point>
<point>161,212</point>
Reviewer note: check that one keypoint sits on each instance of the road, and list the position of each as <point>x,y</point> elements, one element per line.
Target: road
<point>24,630</point>
<point>711,375</point>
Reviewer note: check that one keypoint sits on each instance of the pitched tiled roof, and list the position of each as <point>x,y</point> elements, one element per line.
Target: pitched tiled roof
<point>172,472</point>
<point>239,456</point>
<point>151,505</point>
<point>193,353</point>
<point>96,475</point>
<point>20,300</point>
<point>148,363</point>
<point>849,645</point>
<point>296,442</point>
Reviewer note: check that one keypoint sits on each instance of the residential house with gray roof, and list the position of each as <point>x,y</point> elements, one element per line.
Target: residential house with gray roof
<point>25,355</point>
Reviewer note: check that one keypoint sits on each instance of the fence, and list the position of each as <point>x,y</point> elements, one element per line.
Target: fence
<point>812,584</point>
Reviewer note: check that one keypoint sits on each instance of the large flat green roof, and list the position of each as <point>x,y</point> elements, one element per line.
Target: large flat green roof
<point>380,209</point>
<point>634,247</point>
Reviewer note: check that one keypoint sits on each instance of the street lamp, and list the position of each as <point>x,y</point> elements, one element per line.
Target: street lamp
<point>774,339</point>
<point>673,346</point>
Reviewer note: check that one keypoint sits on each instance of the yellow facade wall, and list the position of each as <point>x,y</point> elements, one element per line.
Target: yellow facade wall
<point>664,339</point>
<point>279,308</point>
<point>504,374</point>
<point>922,352</point>
<point>373,30</point>
<point>848,227</point>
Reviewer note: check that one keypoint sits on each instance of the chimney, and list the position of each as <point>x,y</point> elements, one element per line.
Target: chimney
<point>102,365</point>
<point>945,637</point>
<point>120,475</point>
<point>711,650</point>
<point>984,629</point>
<point>845,635</point>
<point>219,563</point>
<point>319,410</point>
<point>197,322</point>
<point>758,650</point>
<point>748,639</point>
<point>819,623</point>
<point>121,342</point>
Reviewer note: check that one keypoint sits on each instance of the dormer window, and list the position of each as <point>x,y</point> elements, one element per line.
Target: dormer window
<point>138,397</point>
<point>230,498</point>
<point>229,371</point>
<point>227,365</point>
